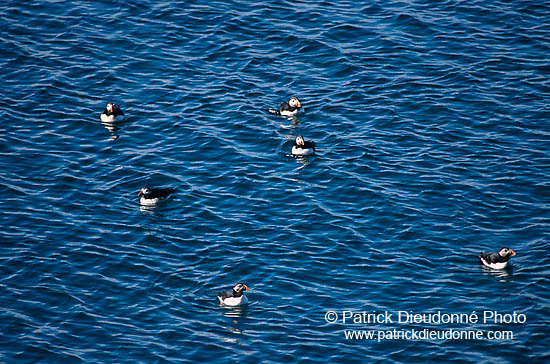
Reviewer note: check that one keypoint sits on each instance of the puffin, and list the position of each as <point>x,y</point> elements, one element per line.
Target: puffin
<point>289,108</point>
<point>302,147</point>
<point>151,196</point>
<point>235,297</point>
<point>112,113</point>
<point>497,260</point>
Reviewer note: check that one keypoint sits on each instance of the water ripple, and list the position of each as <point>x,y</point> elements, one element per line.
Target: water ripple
<point>432,145</point>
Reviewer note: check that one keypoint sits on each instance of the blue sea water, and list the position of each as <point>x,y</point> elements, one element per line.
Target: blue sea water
<point>432,127</point>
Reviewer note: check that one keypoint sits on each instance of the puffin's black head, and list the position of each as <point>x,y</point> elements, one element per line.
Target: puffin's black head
<point>238,289</point>
<point>300,140</point>
<point>294,102</point>
<point>506,252</point>
<point>112,107</point>
<point>145,192</point>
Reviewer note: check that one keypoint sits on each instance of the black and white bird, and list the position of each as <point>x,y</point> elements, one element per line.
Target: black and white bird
<point>289,108</point>
<point>497,260</point>
<point>112,113</point>
<point>302,147</point>
<point>235,297</point>
<point>152,196</point>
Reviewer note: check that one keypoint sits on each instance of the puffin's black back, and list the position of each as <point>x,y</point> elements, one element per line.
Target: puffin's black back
<point>226,294</point>
<point>117,111</point>
<point>309,144</point>
<point>160,192</point>
<point>494,257</point>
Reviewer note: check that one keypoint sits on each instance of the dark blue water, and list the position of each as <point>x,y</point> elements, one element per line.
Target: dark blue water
<point>432,131</point>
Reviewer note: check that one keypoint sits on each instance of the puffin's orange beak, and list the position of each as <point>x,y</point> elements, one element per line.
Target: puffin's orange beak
<point>299,105</point>
<point>140,193</point>
<point>513,252</point>
<point>246,288</point>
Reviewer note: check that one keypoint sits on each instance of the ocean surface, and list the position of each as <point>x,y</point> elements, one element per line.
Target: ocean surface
<point>432,125</point>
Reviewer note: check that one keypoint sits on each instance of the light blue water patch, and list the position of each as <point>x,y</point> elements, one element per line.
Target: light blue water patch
<point>431,128</point>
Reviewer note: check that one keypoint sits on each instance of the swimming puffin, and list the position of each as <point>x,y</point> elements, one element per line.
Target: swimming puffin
<point>497,260</point>
<point>301,147</point>
<point>288,108</point>
<point>151,196</point>
<point>112,113</point>
<point>235,297</point>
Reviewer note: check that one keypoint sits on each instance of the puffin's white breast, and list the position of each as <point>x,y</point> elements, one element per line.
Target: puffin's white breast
<point>111,118</point>
<point>494,265</point>
<point>148,201</point>
<point>234,301</point>
<point>302,151</point>
<point>289,113</point>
